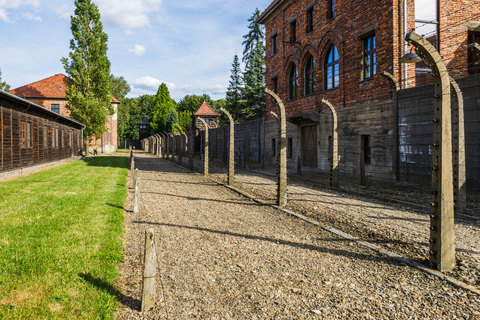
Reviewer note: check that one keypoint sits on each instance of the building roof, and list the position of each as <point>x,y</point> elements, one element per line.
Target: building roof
<point>52,87</point>
<point>29,106</point>
<point>206,110</point>
<point>144,121</point>
<point>272,10</point>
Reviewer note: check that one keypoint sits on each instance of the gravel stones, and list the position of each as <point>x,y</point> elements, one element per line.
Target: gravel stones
<point>222,256</point>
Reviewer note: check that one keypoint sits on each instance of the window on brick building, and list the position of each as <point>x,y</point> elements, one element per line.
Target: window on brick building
<point>23,134</point>
<point>473,52</point>
<point>56,108</point>
<point>366,150</point>
<point>293,83</point>
<point>331,68</point>
<point>369,59</point>
<point>274,44</point>
<point>274,148</point>
<point>275,84</point>
<point>309,20</point>
<point>310,77</point>
<point>293,31</point>
<point>289,148</point>
<point>331,9</point>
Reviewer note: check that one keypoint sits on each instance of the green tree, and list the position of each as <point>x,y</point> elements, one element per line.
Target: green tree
<point>185,119</point>
<point>146,103</point>
<point>254,80</point>
<point>3,85</point>
<point>164,114</point>
<point>120,87</point>
<point>234,89</point>
<point>123,113</point>
<point>135,115</point>
<point>193,102</point>
<point>255,35</point>
<point>88,91</point>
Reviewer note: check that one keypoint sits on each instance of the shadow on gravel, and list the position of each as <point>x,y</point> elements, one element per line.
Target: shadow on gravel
<point>245,202</point>
<point>99,283</point>
<point>348,254</point>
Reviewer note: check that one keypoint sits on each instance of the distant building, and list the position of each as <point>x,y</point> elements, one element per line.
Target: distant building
<point>206,113</point>
<point>50,94</point>
<point>143,128</point>
<point>32,136</point>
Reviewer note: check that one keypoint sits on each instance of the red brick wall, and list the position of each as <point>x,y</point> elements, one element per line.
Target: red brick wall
<point>353,18</point>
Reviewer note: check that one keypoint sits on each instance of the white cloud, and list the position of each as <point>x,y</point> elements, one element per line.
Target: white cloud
<point>139,50</point>
<point>151,84</point>
<point>128,32</point>
<point>128,14</point>
<point>6,5</point>
<point>29,16</point>
<point>64,11</point>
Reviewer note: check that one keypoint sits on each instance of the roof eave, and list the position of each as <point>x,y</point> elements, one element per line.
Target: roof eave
<point>272,11</point>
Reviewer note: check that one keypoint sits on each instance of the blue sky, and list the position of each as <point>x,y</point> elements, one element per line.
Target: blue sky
<point>188,44</point>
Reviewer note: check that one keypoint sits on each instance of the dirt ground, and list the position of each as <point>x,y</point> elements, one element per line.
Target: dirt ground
<point>222,256</point>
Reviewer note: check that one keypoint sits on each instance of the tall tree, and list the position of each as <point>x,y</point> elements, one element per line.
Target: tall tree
<point>135,115</point>
<point>164,114</point>
<point>255,35</point>
<point>3,85</point>
<point>234,89</point>
<point>254,79</point>
<point>88,91</point>
<point>120,87</point>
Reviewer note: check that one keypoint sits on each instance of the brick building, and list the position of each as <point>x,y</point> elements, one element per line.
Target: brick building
<point>336,50</point>
<point>206,113</point>
<point>50,94</point>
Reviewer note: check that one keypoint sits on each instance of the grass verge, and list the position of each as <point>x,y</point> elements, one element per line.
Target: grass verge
<point>61,241</point>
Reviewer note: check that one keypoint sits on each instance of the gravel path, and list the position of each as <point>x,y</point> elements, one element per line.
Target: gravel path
<point>222,256</point>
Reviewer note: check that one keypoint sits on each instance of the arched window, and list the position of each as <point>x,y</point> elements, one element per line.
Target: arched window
<point>331,68</point>
<point>310,78</point>
<point>293,83</point>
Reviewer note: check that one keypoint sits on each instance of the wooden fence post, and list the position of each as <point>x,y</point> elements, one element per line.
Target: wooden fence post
<point>149,271</point>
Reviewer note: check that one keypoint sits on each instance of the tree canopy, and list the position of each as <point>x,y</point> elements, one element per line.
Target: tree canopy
<point>3,84</point>
<point>255,35</point>
<point>120,87</point>
<point>88,68</point>
<point>163,115</point>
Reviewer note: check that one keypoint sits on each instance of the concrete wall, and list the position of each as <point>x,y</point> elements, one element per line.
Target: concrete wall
<point>416,131</point>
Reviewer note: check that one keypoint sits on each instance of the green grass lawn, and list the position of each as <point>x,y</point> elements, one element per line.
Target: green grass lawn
<point>60,241</point>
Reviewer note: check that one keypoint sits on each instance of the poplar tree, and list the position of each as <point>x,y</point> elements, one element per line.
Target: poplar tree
<point>163,114</point>
<point>234,89</point>
<point>88,69</point>
<point>254,81</point>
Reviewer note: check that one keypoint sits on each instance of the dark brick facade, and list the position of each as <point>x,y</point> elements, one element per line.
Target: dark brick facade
<point>364,103</point>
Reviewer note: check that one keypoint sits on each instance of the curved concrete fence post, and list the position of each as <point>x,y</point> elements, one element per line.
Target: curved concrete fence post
<point>458,149</point>
<point>396,138</point>
<point>282,148</point>
<point>205,148</point>
<point>334,162</point>
<point>442,245</point>
<point>231,149</point>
